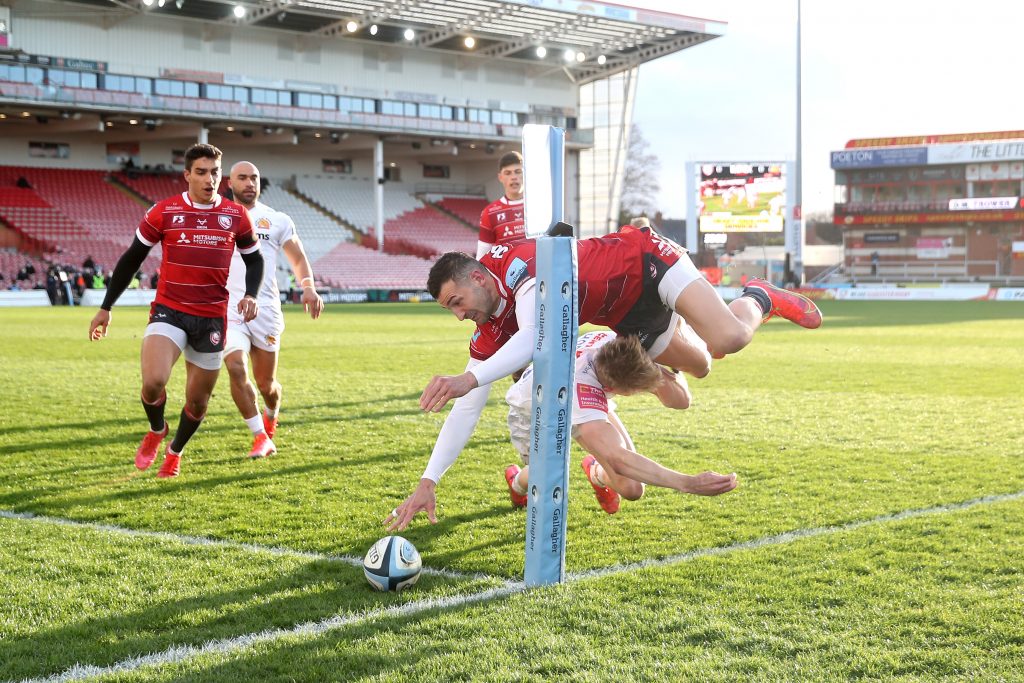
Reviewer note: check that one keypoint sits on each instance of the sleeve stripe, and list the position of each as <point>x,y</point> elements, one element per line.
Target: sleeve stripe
<point>249,250</point>
<point>138,233</point>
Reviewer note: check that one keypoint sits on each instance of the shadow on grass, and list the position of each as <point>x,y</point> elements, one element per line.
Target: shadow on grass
<point>316,591</point>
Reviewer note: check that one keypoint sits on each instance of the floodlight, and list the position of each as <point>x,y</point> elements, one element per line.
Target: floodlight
<point>239,11</point>
<point>409,34</point>
<point>470,42</point>
<point>542,51</point>
<point>351,26</point>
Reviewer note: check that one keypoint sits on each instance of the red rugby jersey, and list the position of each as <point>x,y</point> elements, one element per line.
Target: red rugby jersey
<point>503,221</point>
<point>197,242</point>
<point>610,279</point>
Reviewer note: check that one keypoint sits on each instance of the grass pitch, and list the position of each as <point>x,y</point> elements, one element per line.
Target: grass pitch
<point>889,407</point>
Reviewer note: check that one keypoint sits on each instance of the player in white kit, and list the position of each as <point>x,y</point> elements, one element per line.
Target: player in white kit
<point>606,365</point>
<point>260,338</point>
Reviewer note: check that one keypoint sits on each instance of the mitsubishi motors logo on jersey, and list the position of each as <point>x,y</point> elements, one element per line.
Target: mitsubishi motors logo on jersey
<point>225,222</point>
<point>183,239</point>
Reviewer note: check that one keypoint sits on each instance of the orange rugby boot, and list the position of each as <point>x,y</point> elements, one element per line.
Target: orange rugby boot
<point>518,499</point>
<point>269,425</point>
<point>262,446</point>
<point>606,497</point>
<point>794,307</point>
<point>145,454</point>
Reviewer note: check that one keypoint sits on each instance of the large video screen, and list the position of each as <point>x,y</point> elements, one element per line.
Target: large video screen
<point>736,197</point>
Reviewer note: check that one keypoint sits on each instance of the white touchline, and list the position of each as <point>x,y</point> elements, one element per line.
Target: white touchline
<point>221,543</point>
<point>181,653</point>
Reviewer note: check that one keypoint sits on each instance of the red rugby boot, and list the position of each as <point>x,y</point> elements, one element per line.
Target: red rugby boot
<point>608,499</point>
<point>518,499</point>
<point>145,454</point>
<point>171,466</point>
<point>794,307</point>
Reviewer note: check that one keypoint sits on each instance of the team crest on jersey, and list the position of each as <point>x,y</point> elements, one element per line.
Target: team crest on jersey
<point>184,239</point>
<point>263,224</point>
<point>215,338</point>
<point>224,221</point>
<point>517,271</point>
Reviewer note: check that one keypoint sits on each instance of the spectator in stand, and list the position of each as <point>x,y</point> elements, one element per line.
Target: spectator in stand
<point>88,263</point>
<point>23,183</point>
<point>502,220</point>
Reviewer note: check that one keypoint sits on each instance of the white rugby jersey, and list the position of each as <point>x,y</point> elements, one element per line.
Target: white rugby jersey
<point>272,229</point>
<point>591,401</point>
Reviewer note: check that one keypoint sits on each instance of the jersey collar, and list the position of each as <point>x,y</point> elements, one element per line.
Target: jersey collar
<point>188,201</point>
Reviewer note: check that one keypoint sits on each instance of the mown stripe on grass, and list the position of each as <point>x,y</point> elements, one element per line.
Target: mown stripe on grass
<point>221,543</point>
<point>182,653</point>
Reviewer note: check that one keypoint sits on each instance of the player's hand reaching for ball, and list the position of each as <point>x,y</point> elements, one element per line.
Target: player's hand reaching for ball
<point>444,388</point>
<point>248,308</point>
<point>421,500</point>
<point>98,326</point>
<point>711,483</point>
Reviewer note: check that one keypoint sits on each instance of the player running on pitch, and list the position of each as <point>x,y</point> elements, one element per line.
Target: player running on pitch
<point>198,231</point>
<point>260,339</point>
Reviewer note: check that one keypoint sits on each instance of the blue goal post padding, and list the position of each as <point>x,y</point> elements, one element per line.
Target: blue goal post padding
<point>554,356</point>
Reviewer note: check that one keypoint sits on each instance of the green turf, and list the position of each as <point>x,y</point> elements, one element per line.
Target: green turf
<point>889,406</point>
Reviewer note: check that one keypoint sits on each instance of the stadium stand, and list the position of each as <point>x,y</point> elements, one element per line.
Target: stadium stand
<point>353,199</point>
<point>153,187</point>
<point>76,213</point>
<point>349,266</point>
<point>12,262</point>
<point>464,208</point>
<point>318,232</point>
<point>428,232</point>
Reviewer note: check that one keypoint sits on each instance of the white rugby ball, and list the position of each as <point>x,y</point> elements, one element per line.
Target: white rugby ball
<point>392,564</point>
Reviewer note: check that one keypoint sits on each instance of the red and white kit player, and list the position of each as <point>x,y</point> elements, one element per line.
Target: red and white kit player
<point>503,221</point>
<point>198,232</point>
<point>634,281</point>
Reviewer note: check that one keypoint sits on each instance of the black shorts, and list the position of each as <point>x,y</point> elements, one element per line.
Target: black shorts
<point>649,317</point>
<point>205,335</point>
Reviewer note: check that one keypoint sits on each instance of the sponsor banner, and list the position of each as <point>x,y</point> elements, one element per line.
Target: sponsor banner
<point>933,247</point>
<point>881,237</point>
<point>59,62</point>
<point>31,297</point>
<point>130,297</point>
<point>982,203</point>
<point>1009,294</point>
<point>934,139</point>
<point>978,152</point>
<point>192,75</point>
<point>900,218</point>
<point>873,158</point>
<point>956,293</point>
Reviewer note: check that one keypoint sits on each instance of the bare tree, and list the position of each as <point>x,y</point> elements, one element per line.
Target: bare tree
<point>640,181</point>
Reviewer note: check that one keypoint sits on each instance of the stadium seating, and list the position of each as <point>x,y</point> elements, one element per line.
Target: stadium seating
<point>75,212</point>
<point>318,232</point>
<point>152,186</point>
<point>349,266</point>
<point>467,209</point>
<point>13,261</point>
<point>428,232</point>
<point>353,199</point>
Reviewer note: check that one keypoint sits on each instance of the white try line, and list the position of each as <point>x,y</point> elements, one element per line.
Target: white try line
<point>182,653</point>
<point>220,543</point>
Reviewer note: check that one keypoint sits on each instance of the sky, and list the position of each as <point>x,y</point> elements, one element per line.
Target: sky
<point>871,68</point>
